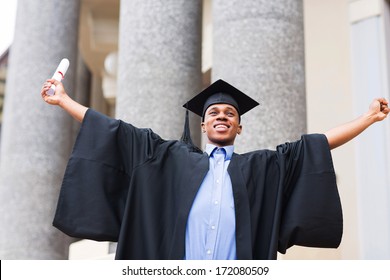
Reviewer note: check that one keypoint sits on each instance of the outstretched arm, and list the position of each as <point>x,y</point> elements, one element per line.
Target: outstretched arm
<point>62,99</point>
<point>340,135</point>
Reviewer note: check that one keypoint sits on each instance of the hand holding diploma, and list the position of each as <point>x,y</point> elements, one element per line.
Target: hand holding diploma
<point>59,96</point>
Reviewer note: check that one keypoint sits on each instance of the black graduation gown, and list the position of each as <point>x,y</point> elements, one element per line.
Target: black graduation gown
<point>128,185</point>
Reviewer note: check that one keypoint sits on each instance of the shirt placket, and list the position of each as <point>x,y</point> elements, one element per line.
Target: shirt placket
<point>213,226</point>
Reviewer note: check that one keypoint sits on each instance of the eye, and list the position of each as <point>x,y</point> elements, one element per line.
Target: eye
<point>230,114</point>
<point>212,113</point>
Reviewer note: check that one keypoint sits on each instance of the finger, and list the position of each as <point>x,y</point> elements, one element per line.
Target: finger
<point>386,110</point>
<point>47,84</point>
<point>383,106</point>
<point>44,89</point>
<point>55,82</point>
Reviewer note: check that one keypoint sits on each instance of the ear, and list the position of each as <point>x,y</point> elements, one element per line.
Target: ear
<point>239,129</point>
<point>203,127</point>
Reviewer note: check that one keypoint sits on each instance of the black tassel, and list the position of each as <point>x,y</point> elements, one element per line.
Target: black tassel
<point>186,136</point>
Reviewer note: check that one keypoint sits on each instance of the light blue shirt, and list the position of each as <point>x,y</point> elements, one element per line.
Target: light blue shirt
<point>210,232</point>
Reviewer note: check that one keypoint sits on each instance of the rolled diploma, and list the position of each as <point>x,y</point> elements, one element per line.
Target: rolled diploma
<point>59,74</point>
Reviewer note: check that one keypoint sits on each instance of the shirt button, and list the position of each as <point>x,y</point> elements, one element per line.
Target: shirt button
<point>208,252</point>
<point>217,181</point>
<point>219,163</point>
<point>212,227</point>
<point>216,202</point>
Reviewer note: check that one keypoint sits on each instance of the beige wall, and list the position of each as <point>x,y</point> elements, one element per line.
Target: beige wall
<point>329,103</point>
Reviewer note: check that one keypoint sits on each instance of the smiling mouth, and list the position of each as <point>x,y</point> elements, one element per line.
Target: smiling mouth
<point>221,126</point>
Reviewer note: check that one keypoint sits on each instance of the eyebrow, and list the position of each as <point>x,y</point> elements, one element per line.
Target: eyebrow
<point>229,107</point>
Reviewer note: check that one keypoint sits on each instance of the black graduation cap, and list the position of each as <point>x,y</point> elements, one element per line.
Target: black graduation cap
<point>219,92</point>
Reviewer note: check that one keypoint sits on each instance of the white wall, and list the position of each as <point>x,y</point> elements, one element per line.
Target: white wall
<point>329,103</point>
<point>370,74</point>
<point>347,61</point>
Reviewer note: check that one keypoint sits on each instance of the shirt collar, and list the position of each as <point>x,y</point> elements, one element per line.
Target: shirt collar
<point>210,149</point>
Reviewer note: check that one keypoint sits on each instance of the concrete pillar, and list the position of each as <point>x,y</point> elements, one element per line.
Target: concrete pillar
<point>159,63</point>
<point>259,47</point>
<point>36,138</point>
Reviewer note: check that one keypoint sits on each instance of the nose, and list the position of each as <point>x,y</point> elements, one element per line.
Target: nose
<point>221,116</point>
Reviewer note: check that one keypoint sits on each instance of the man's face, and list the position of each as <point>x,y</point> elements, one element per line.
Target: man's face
<point>221,124</point>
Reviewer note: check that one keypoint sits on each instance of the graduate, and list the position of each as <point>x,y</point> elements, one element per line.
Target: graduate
<point>167,199</point>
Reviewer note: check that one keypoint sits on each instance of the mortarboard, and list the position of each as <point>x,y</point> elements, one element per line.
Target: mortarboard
<point>219,92</point>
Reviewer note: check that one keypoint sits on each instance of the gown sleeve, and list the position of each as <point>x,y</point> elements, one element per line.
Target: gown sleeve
<point>95,185</point>
<point>312,214</point>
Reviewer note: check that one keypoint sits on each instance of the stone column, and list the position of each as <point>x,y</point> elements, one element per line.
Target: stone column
<point>36,138</point>
<point>159,63</point>
<point>259,47</point>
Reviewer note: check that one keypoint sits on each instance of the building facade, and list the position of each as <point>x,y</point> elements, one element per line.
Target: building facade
<point>311,64</point>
